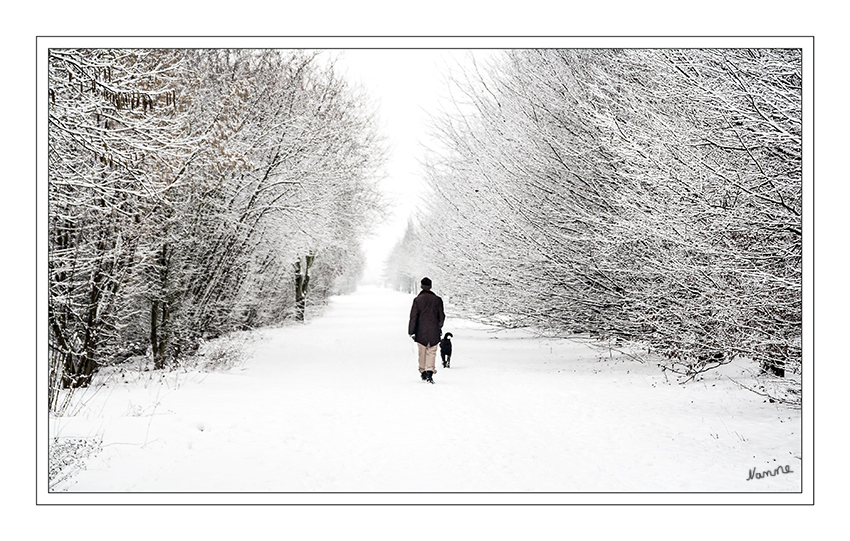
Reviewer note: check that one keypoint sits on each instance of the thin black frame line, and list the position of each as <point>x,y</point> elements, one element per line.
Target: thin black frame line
<point>766,493</point>
<point>204,36</point>
<point>618,504</point>
<point>801,491</point>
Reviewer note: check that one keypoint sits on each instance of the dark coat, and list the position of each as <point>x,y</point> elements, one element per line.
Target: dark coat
<point>426,318</point>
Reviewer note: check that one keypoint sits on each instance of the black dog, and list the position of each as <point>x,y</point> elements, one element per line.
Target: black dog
<point>446,349</point>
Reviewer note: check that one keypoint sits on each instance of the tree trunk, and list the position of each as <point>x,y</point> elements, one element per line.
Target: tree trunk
<point>301,284</point>
<point>159,310</point>
<point>159,333</point>
<point>154,344</point>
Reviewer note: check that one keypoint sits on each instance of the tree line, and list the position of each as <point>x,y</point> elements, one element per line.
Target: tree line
<point>195,192</point>
<point>648,196</point>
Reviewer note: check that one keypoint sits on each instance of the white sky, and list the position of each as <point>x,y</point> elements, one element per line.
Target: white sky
<point>406,85</point>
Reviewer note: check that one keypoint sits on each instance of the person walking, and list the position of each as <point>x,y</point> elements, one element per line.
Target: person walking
<point>426,327</point>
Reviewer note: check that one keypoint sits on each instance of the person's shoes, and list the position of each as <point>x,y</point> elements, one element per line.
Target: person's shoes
<point>429,376</point>
<point>423,376</point>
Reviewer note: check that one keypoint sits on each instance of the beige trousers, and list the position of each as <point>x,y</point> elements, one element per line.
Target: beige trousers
<point>427,358</point>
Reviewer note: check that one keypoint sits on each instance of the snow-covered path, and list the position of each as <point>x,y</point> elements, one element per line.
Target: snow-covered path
<point>336,405</point>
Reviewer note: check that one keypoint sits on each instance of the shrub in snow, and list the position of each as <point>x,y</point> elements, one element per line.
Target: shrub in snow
<point>178,202</point>
<point>222,353</point>
<point>66,457</point>
<point>647,195</point>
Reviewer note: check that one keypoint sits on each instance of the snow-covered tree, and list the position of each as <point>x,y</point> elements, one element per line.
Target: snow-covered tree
<point>184,184</point>
<point>290,179</point>
<point>113,144</point>
<point>405,265</point>
<point>645,195</point>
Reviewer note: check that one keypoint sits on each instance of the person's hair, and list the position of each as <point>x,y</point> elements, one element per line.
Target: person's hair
<point>426,283</point>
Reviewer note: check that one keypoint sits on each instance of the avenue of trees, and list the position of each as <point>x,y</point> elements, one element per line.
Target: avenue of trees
<point>196,192</point>
<point>652,197</point>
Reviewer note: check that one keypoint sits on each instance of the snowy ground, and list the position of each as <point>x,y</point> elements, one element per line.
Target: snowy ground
<point>336,405</point>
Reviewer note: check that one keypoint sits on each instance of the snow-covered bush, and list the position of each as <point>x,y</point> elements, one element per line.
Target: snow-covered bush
<point>653,196</point>
<point>185,184</point>
<point>66,456</point>
<point>222,353</point>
